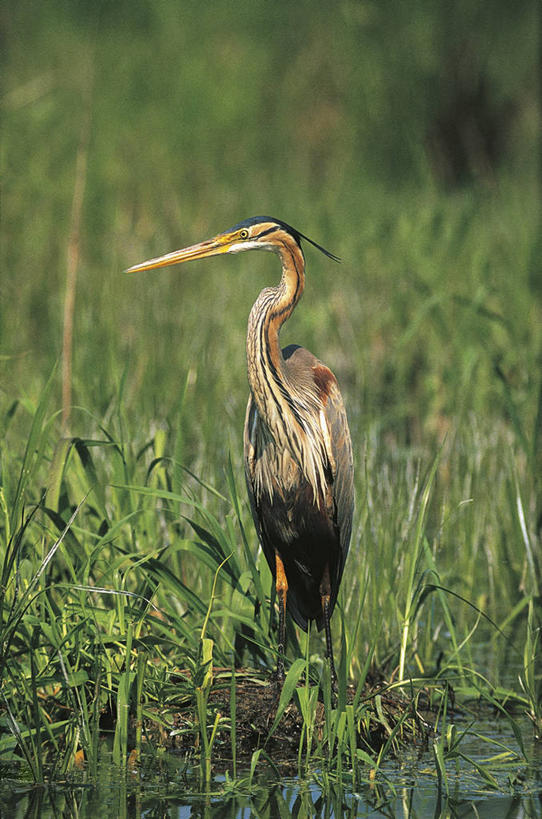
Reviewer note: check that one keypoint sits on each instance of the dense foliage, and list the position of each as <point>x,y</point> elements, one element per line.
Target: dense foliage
<point>404,142</point>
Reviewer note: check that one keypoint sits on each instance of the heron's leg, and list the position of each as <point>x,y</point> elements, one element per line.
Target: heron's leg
<point>325,596</point>
<point>281,585</point>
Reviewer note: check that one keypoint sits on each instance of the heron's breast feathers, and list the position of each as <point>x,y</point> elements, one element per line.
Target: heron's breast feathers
<point>287,449</point>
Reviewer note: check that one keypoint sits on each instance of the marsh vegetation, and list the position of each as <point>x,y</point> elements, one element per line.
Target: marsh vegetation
<point>135,602</point>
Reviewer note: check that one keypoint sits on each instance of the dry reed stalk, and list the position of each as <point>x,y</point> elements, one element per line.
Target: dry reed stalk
<point>74,241</point>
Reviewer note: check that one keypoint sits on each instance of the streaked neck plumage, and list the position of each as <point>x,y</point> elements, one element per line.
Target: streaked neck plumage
<point>287,409</point>
<point>271,309</point>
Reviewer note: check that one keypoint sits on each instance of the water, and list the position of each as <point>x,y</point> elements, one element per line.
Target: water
<point>406,787</point>
<point>291,799</point>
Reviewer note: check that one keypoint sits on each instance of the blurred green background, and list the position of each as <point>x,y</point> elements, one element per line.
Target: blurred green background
<point>403,137</point>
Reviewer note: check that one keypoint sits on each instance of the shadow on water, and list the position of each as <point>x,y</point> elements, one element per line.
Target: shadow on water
<point>274,801</point>
<point>170,789</point>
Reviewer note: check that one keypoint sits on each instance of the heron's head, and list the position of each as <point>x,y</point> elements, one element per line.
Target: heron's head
<point>256,233</point>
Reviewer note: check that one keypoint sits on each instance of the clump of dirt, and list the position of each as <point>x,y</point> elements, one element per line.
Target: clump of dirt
<point>385,713</point>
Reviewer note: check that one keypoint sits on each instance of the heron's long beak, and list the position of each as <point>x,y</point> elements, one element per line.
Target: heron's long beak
<point>211,247</point>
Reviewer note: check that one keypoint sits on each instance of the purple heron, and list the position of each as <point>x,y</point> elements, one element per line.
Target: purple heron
<point>298,454</point>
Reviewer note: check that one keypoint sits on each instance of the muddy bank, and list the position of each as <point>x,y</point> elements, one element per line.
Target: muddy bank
<point>382,715</point>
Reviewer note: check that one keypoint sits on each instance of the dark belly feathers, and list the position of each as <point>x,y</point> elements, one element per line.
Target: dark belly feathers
<point>306,540</point>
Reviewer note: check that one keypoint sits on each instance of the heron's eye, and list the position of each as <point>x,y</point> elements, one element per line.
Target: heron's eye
<point>243,234</point>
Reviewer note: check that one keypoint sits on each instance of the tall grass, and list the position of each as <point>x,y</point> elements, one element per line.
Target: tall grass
<point>128,555</point>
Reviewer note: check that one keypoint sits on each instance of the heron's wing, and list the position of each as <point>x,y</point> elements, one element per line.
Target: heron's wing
<point>309,373</point>
<point>339,450</point>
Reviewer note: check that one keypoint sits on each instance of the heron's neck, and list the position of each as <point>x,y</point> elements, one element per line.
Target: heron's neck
<point>272,308</point>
